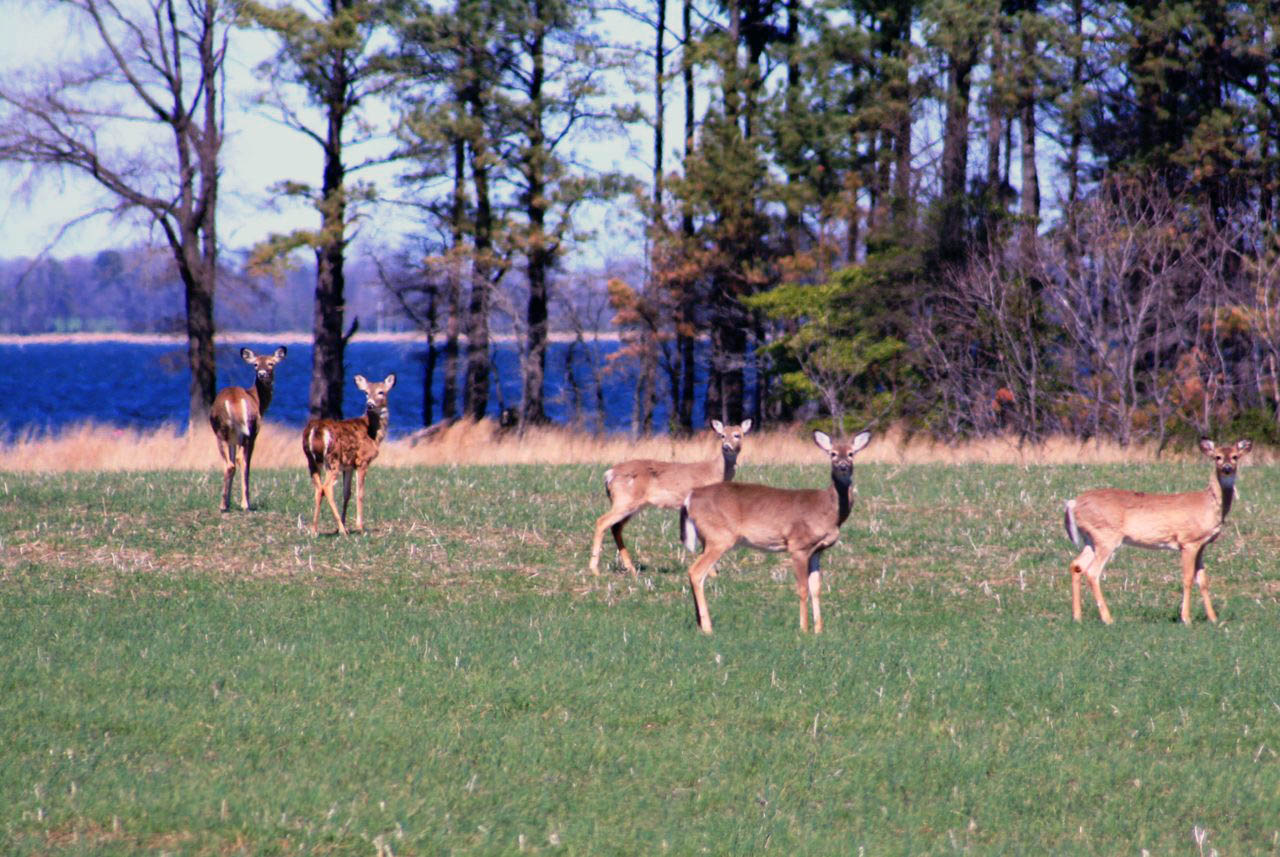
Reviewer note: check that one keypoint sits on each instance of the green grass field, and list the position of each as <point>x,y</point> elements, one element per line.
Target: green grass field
<point>177,681</point>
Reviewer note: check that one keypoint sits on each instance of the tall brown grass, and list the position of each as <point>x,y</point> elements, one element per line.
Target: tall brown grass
<point>95,447</point>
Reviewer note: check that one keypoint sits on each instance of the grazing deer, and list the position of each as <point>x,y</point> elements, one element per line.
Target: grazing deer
<point>1188,522</point>
<point>803,523</point>
<point>236,416</point>
<point>349,446</point>
<point>636,484</point>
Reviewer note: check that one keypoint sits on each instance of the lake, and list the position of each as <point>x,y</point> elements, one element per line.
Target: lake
<point>48,386</point>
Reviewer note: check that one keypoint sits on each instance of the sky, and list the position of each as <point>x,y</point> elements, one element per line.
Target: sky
<point>263,152</point>
<point>258,152</point>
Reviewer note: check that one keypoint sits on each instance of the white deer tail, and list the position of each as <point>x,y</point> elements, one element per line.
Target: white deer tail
<point>608,480</point>
<point>687,530</point>
<point>1069,521</point>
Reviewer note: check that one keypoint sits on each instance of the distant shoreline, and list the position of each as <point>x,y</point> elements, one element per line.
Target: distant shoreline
<point>229,337</point>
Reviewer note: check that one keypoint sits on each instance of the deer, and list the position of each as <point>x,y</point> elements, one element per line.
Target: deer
<point>236,416</point>
<point>1106,518</point>
<point>803,523</point>
<point>346,446</point>
<point>639,483</point>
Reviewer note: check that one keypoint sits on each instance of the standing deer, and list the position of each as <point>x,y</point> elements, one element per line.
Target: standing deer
<point>347,446</point>
<point>636,484</point>
<point>236,416</point>
<point>1188,522</point>
<point>803,523</point>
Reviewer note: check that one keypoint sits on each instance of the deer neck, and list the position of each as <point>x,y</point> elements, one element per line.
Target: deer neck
<point>1223,490</point>
<point>841,486</point>
<point>730,458</point>
<point>262,392</point>
<point>377,418</point>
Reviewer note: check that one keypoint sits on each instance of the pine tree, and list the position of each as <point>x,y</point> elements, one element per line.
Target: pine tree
<point>330,53</point>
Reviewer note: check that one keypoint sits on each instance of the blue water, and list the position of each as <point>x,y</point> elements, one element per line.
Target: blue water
<point>47,387</point>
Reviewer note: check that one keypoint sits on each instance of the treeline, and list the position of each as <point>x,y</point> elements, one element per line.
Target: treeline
<point>872,219</point>
<point>1013,216</point>
<point>976,218</point>
<point>137,291</point>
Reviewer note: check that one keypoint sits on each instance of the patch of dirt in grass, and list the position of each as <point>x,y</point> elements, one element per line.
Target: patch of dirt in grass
<point>83,832</point>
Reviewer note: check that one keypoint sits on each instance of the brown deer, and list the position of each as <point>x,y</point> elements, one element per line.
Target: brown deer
<point>639,483</point>
<point>803,523</point>
<point>236,416</point>
<point>346,446</point>
<point>1187,522</point>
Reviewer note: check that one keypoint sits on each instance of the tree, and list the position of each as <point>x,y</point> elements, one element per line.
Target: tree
<point>160,68</point>
<point>453,122</point>
<point>330,52</point>
<point>553,86</point>
<point>831,353</point>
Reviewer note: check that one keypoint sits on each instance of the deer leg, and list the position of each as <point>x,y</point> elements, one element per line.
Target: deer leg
<point>1078,565</point>
<point>1094,574</point>
<point>623,555</point>
<point>360,499</point>
<point>228,455</point>
<point>806,570</point>
<point>815,590</point>
<point>319,492</point>
<point>697,576</point>
<point>346,493</point>
<point>244,475</point>
<point>330,477</point>
<point>1188,575</point>
<point>684,518</point>
<point>604,522</point>
<point>1202,578</point>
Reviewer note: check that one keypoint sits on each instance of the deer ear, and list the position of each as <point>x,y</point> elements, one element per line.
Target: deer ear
<point>362,383</point>
<point>247,356</point>
<point>1244,446</point>
<point>718,426</point>
<point>823,440</point>
<point>390,380</point>
<point>861,440</point>
<point>1206,446</point>
<point>746,426</point>
<point>281,352</point>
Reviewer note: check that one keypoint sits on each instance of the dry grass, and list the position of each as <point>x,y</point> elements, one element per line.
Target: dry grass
<point>92,447</point>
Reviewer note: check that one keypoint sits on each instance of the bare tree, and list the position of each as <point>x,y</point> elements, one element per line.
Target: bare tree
<point>155,66</point>
<point>987,341</point>
<point>1123,298</point>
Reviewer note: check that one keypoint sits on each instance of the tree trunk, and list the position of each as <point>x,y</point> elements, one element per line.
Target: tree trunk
<point>198,289</point>
<point>1030,173</point>
<point>538,251</point>
<point>449,395</point>
<point>199,146</point>
<point>429,361</point>
<point>686,328</point>
<point>476,389</point>
<point>955,153</point>
<point>327,362</point>
<point>533,410</point>
<point>995,113</point>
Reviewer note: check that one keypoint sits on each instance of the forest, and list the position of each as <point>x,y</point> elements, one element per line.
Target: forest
<point>1017,217</point>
